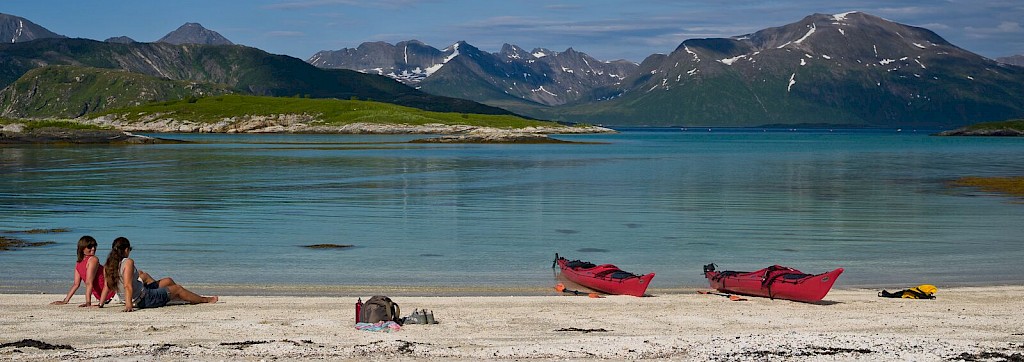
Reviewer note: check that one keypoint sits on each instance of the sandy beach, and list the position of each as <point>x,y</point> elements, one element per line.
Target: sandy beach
<point>963,323</point>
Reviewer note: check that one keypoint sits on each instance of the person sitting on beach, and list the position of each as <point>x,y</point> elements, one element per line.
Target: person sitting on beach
<point>87,269</point>
<point>120,271</point>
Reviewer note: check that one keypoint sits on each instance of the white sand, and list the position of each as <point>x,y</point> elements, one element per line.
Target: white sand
<point>984,323</point>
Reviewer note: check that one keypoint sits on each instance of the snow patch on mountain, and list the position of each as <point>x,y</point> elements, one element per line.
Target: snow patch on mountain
<point>434,68</point>
<point>809,32</point>
<point>17,34</point>
<point>455,53</point>
<point>695,57</point>
<point>842,16</point>
<point>729,61</point>
<point>541,89</point>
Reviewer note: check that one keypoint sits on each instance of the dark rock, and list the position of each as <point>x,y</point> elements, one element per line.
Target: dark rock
<point>11,243</point>
<point>327,246</point>
<point>77,136</point>
<point>35,344</point>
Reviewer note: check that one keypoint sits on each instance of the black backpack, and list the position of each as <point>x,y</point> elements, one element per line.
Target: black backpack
<point>380,308</point>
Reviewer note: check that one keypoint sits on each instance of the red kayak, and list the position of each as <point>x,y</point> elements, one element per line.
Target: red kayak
<point>776,282</point>
<point>605,278</point>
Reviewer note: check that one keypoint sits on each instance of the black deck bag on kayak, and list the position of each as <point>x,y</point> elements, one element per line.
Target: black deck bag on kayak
<point>579,264</point>
<point>380,308</point>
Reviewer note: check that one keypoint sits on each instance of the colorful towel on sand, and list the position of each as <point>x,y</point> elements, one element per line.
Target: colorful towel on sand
<point>382,326</point>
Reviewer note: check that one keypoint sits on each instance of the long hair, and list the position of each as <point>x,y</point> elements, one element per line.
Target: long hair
<point>112,269</point>
<point>85,242</point>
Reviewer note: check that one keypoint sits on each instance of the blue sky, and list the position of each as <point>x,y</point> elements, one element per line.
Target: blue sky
<point>604,29</point>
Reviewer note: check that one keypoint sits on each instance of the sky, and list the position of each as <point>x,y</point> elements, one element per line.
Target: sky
<point>604,29</point>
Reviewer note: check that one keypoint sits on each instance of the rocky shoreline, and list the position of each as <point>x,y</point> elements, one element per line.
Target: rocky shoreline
<point>117,131</point>
<point>492,137</point>
<point>302,123</point>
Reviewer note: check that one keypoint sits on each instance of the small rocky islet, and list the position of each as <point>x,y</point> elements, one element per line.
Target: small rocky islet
<point>1008,128</point>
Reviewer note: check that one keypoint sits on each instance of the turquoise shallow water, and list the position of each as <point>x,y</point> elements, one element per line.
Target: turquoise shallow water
<point>236,209</point>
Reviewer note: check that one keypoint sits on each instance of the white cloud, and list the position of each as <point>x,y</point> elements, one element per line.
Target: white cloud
<point>284,34</point>
<point>1006,27</point>
<point>1009,27</point>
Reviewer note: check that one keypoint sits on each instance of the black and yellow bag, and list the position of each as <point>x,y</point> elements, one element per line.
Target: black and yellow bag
<point>923,291</point>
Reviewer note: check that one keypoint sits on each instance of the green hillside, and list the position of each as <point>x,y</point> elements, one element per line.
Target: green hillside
<point>328,112</point>
<point>70,91</point>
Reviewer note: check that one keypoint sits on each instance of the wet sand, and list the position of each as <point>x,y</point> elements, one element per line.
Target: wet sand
<point>963,323</point>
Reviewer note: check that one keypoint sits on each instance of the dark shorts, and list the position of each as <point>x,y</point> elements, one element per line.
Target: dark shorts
<point>153,285</point>
<point>153,298</point>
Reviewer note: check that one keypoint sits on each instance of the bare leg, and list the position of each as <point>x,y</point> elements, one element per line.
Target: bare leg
<point>178,292</point>
<point>147,279</point>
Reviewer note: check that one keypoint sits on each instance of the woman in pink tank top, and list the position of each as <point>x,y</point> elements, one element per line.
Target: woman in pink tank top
<point>87,269</point>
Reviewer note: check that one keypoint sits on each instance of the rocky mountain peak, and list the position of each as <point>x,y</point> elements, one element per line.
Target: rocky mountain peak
<point>14,29</point>
<point>120,40</point>
<point>1017,60</point>
<point>514,52</point>
<point>194,33</point>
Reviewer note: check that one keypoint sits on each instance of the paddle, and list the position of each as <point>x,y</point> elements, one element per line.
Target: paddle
<point>561,287</point>
<point>731,297</point>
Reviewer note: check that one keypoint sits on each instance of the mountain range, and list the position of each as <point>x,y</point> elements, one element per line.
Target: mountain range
<point>237,68</point>
<point>540,76</point>
<point>850,69</point>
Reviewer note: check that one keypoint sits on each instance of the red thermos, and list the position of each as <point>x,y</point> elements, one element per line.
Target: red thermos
<point>359,308</point>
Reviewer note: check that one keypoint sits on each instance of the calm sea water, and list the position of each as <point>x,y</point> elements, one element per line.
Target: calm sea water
<point>236,209</point>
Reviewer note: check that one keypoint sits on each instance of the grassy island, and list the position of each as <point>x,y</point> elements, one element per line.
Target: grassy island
<point>1008,128</point>
<point>326,112</point>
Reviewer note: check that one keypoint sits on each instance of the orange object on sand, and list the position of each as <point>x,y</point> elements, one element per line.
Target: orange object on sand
<point>561,288</point>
